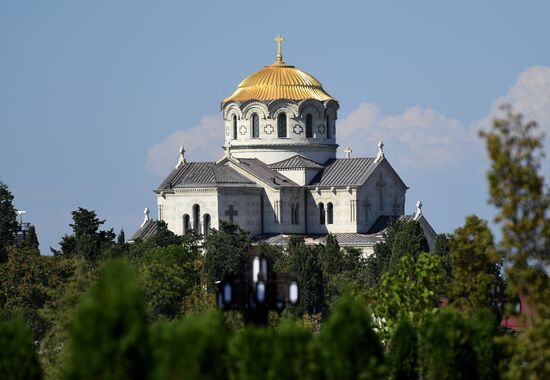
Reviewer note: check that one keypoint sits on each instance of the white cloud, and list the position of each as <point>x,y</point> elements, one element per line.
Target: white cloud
<point>202,143</point>
<point>530,95</point>
<point>419,137</point>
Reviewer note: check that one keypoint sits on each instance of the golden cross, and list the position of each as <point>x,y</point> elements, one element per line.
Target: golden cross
<point>279,39</point>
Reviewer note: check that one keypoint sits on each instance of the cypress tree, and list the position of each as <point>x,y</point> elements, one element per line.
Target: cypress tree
<point>108,336</point>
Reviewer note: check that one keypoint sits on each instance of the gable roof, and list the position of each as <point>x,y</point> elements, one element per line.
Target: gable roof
<point>146,231</point>
<point>192,174</point>
<point>350,172</point>
<point>345,171</point>
<point>263,172</point>
<point>296,162</point>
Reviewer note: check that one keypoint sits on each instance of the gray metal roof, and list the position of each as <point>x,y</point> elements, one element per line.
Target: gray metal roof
<point>345,171</point>
<point>296,162</point>
<point>145,232</point>
<point>347,239</point>
<point>192,174</point>
<point>262,171</point>
<point>384,221</point>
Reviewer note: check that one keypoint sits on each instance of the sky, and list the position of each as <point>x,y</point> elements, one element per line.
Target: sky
<point>96,97</point>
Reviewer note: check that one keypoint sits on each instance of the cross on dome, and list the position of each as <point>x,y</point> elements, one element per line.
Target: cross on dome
<point>279,39</point>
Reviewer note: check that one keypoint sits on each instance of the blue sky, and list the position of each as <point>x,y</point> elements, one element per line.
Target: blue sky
<point>96,96</point>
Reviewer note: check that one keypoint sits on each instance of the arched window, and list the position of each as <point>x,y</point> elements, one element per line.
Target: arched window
<point>281,125</point>
<point>206,224</point>
<point>321,213</point>
<point>186,224</point>
<point>328,126</point>
<point>309,125</point>
<point>330,213</point>
<point>255,126</point>
<point>234,127</point>
<point>196,218</point>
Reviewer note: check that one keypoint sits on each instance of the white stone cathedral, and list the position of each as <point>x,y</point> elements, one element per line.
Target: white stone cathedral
<point>279,175</point>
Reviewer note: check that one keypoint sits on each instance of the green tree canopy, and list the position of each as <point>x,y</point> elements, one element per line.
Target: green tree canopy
<point>18,358</point>
<point>87,239</point>
<point>191,348</point>
<point>349,347</point>
<point>108,335</point>
<point>225,252</point>
<point>411,291</point>
<point>476,265</point>
<point>8,220</point>
<point>305,263</point>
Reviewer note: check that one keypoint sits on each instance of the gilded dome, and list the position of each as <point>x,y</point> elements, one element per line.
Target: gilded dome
<point>279,81</point>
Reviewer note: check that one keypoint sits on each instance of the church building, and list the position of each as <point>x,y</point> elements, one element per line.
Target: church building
<point>279,175</point>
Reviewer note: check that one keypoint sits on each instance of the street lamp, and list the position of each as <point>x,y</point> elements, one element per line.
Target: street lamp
<point>258,291</point>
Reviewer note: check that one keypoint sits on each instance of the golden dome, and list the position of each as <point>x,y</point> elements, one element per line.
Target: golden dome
<point>279,81</point>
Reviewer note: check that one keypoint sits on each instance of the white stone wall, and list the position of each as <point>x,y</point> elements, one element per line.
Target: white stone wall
<point>173,207</point>
<point>245,201</point>
<point>344,210</point>
<point>369,198</point>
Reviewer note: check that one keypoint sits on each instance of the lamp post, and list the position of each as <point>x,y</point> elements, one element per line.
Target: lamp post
<point>258,291</point>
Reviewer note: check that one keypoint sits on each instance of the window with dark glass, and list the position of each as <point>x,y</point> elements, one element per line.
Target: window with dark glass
<point>281,125</point>
<point>234,127</point>
<point>196,218</point>
<point>186,224</point>
<point>321,213</point>
<point>328,126</point>
<point>330,213</point>
<point>255,125</point>
<point>309,125</point>
<point>206,224</point>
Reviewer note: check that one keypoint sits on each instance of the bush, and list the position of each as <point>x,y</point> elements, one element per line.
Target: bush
<point>402,355</point>
<point>108,336</point>
<point>18,359</point>
<point>349,347</point>
<point>192,348</point>
<point>291,358</point>
<point>250,353</point>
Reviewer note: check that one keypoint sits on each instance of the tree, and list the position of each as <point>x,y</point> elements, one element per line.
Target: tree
<point>517,190</point>
<point>402,357</point>
<point>454,347</point>
<point>225,252</point>
<point>292,355</point>
<point>349,347</point>
<point>18,358</point>
<point>408,240</point>
<point>476,265</point>
<point>8,220</point>
<point>163,237</point>
<point>191,348</point>
<point>250,353</point>
<point>31,239</point>
<point>87,239</point>
<point>441,249</point>
<point>167,275</point>
<point>447,348</point>
<point>28,281</point>
<point>108,335</point>
<point>306,265</point>
<point>121,238</point>
<point>410,292</point>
